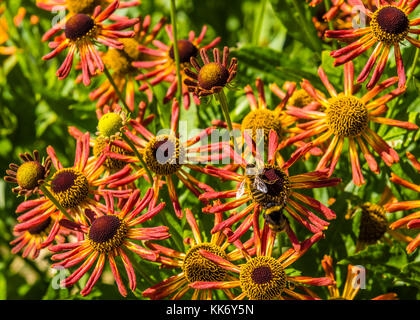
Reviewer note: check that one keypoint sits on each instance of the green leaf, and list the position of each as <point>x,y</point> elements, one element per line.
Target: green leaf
<point>276,65</point>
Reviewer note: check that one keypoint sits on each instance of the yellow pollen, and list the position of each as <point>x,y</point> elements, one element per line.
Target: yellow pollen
<point>82,6</point>
<point>198,268</point>
<point>29,173</point>
<point>70,187</point>
<point>213,75</point>
<point>107,233</point>
<point>164,155</point>
<point>110,163</point>
<point>262,119</point>
<point>347,116</point>
<point>263,278</point>
<point>271,185</point>
<point>373,224</point>
<point>110,124</point>
<point>300,98</point>
<point>390,24</point>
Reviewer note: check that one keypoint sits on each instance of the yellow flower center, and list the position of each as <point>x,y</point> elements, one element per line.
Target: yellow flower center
<point>110,163</point>
<point>373,224</point>
<point>29,173</point>
<point>164,155</point>
<point>300,98</point>
<point>107,233</point>
<point>131,49</point>
<point>117,61</point>
<point>70,187</point>
<point>263,278</point>
<point>271,185</point>
<point>264,120</point>
<point>347,116</point>
<point>110,124</point>
<point>212,75</point>
<point>198,268</point>
<point>390,24</point>
<point>82,6</point>
<point>79,26</point>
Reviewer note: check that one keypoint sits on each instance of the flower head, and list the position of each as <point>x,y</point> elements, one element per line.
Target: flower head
<point>74,188</point>
<point>352,284</point>
<point>120,63</point>
<point>161,65</point>
<point>347,117</point>
<point>268,186</point>
<point>30,174</point>
<point>374,225</point>
<point>81,32</point>
<point>107,236</point>
<point>192,265</point>
<point>389,26</point>
<point>410,221</point>
<point>263,277</point>
<point>31,241</point>
<point>212,77</point>
<point>167,156</point>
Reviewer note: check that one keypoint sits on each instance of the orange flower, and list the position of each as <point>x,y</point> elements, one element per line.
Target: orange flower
<point>389,26</point>
<point>347,117</point>
<point>411,221</point>
<point>81,32</point>
<point>351,286</point>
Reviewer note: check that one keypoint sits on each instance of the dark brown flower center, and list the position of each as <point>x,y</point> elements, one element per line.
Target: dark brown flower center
<point>62,181</point>
<point>392,20</point>
<point>70,187</point>
<point>263,278</point>
<point>186,50</point>
<point>104,228</point>
<point>373,224</point>
<point>78,26</point>
<point>261,275</point>
<point>212,75</point>
<point>40,227</point>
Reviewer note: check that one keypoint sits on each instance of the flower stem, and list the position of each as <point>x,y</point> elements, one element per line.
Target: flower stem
<point>48,194</point>
<point>138,155</point>
<point>175,47</point>
<point>117,91</point>
<point>410,73</point>
<point>221,97</point>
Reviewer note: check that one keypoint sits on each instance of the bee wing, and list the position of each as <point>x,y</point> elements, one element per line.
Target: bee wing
<point>260,185</point>
<point>241,190</point>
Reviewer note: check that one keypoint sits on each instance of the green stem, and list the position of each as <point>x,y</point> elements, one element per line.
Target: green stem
<point>410,73</point>
<point>259,23</point>
<point>117,91</point>
<point>138,155</point>
<point>48,194</point>
<point>221,97</point>
<point>175,47</point>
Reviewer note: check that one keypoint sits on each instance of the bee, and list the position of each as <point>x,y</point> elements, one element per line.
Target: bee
<point>274,217</point>
<point>259,188</point>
